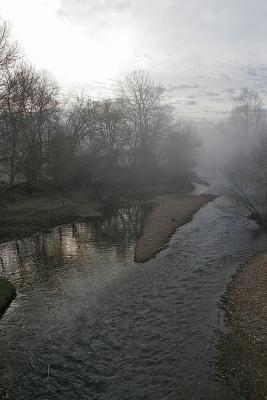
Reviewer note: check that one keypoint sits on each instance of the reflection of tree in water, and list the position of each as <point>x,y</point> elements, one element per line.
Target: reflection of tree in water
<point>45,253</point>
<point>122,228</point>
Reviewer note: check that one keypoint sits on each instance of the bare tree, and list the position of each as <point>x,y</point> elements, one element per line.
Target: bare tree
<point>111,133</point>
<point>67,140</point>
<point>140,99</point>
<point>245,187</point>
<point>80,141</point>
<point>30,98</point>
<point>108,119</point>
<point>179,153</point>
<point>77,120</point>
<point>245,177</point>
<point>9,53</point>
<point>248,113</point>
<point>8,49</point>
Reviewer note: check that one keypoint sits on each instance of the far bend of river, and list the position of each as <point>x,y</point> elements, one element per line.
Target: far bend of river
<point>89,323</point>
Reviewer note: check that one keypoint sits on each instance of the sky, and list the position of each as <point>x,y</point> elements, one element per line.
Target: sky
<point>202,51</point>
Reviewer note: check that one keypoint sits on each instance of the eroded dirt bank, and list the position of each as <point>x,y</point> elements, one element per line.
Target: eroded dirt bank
<point>170,212</point>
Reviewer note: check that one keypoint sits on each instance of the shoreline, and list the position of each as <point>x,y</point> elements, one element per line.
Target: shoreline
<point>7,294</point>
<point>169,213</point>
<point>33,215</point>
<point>244,348</point>
<point>27,215</point>
<point>30,215</point>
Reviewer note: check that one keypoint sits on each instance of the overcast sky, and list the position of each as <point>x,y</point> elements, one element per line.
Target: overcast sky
<point>202,51</point>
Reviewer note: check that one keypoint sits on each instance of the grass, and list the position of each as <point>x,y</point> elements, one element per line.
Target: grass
<point>26,215</point>
<point>7,293</point>
<point>24,212</point>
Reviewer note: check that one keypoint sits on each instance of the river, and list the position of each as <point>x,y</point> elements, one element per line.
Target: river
<point>89,323</point>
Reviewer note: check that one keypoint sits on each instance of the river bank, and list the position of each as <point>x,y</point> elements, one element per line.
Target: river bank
<point>169,213</point>
<point>84,304</point>
<point>245,347</point>
<point>3,394</point>
<point>27,215</point>
<point>7,293</point>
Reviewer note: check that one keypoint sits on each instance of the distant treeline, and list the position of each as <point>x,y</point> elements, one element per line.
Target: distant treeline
<point>47,140</point>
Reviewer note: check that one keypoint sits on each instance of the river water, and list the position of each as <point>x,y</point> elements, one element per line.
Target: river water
<point>89,323</point>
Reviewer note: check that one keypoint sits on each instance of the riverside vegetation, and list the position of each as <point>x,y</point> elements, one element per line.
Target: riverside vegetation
<point>60,155</point>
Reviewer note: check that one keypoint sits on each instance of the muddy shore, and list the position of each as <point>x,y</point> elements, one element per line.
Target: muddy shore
<point>169,212</point>
<point>244,348</point>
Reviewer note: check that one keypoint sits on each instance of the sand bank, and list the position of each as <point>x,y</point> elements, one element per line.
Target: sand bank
<point>169,212</point>
<point>245,304</point>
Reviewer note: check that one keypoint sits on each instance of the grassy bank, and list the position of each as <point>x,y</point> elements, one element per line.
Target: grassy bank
<point>7,293</point>
<point>26,210</point>
<point>244,348</point>
<point>170,212</point>
<point>26,215</point>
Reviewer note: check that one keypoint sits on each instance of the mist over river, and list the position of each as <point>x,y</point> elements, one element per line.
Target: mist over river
<point>89,323</point>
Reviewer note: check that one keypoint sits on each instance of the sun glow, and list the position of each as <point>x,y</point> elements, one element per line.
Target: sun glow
<point>73,54</point>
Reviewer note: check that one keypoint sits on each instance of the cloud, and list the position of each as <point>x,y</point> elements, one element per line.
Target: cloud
<point>213,94</point>
<point>83,8</point>
<point>181,39</point>
<point>230,90</point>
<point>191,103</point>
<point>181,87</point>
<point>218,100</point>
<point>208,47</point>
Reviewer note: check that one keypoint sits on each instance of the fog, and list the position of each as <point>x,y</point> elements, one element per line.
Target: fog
<point>140,126</point>
<point>123,124</point>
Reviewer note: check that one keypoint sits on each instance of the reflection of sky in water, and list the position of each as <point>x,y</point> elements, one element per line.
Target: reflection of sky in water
<point>60,277</point>
<point>74,246</point>
<point>110,328</point>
